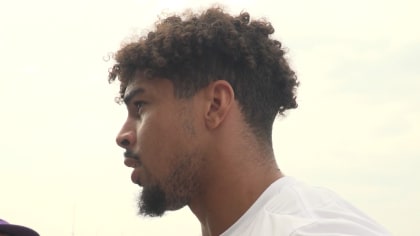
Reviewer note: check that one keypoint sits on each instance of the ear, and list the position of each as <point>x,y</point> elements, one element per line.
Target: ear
<point>221,98</point>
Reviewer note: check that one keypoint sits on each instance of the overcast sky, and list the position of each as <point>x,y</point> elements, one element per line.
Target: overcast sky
<point>356,130</point>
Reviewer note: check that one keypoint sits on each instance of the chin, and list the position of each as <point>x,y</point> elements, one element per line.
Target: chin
<point>152,201</point>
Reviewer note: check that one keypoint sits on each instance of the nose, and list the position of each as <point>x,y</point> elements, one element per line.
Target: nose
<point>126,138</point>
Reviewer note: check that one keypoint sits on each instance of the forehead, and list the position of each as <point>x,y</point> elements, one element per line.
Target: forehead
<point>148,86</point>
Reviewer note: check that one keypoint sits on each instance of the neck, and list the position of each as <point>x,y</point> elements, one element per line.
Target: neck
<point>239,173</point>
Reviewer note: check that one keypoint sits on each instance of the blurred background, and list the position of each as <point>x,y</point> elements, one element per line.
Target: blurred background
<point>356,130</point>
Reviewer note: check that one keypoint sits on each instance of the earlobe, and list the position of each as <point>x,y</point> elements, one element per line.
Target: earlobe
<point>221,97</point>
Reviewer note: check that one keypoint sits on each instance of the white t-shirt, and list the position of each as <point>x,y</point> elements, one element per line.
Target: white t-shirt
<point>291,208</point>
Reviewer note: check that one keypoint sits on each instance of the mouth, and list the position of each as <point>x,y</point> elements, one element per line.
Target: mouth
<point>130,154</point>
<point>132,160</point>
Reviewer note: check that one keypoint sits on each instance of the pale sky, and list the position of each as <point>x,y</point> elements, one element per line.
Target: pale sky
<point>356,130</point>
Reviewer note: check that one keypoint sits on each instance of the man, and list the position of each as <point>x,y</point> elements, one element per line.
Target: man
<point>7,229</point>
<point>202,92</point>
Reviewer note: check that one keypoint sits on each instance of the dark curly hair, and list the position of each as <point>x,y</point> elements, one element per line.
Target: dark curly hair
<point>196,49</point>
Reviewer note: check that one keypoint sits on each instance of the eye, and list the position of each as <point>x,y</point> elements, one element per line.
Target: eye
<point>139,106</point>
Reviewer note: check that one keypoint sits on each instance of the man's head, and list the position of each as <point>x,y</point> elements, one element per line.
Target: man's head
<point>181,80</point>
<point>197,49</point>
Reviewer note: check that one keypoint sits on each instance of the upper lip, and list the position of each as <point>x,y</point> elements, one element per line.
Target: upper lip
<point>131,159</point>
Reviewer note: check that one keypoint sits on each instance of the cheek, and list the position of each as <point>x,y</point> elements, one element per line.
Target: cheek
<point>158,142</point>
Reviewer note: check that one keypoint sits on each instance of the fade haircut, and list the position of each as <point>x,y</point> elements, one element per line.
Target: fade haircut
<point>193,50</point>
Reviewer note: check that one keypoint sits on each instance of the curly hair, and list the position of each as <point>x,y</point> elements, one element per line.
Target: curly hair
<point>196,49</point>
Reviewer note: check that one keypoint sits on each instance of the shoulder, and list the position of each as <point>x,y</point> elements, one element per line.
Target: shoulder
<point>291,208</point>
<point>314,211</point>
<point>297,198</point>
<point>276,212</point>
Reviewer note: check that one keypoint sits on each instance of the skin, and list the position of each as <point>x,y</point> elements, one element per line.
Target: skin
<point>227,166</point>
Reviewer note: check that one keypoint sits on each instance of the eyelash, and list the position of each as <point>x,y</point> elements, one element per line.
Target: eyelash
<point>138,106</point>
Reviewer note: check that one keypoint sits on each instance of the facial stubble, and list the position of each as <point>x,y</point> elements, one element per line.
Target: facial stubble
<point>174,193</point>
<point>181,185</point>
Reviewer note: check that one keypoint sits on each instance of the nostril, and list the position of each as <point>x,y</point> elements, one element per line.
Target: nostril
<point>125,142</point>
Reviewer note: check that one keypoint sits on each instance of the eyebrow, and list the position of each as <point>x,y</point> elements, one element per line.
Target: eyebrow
<point>131,94</point>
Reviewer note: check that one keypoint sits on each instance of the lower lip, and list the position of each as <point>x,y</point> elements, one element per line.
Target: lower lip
<point>135,177</point>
